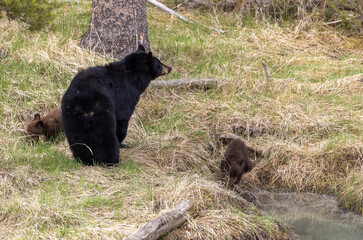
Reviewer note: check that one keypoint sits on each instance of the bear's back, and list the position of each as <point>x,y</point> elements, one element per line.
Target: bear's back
<point>54,117</point>
<point>52,122</point>
<point>92,78</point>
<point>236,151</point>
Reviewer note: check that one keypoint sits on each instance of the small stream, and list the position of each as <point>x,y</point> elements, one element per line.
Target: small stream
<point>312,216</point>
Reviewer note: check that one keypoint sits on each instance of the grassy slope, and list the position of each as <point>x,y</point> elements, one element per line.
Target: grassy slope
<point>308,121</point>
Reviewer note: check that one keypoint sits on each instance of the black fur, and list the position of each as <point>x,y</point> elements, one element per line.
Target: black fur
<point>99,102</point>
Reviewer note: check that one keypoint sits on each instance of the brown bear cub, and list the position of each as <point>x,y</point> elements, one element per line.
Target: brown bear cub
<point>236,161</point>
<point>49,126</point>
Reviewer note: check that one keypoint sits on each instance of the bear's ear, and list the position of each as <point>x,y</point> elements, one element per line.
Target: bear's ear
<point>150,56</point>
<point>36,116</point>
<point>39,124</point>
<point>141,48</point>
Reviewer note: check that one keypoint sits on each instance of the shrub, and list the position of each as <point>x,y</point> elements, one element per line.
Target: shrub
<point>36,14</point>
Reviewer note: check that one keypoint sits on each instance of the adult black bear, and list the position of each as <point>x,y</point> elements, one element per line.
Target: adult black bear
<point>99,102</point>
<point>236,161</point>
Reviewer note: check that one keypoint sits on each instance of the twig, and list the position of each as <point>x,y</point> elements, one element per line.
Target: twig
<point>164,223</point>
<point>334,22</point>
<point>172,12</point>
<point>268,76</point>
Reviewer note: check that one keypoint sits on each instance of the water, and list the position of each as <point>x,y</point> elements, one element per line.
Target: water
<point>311,216</point>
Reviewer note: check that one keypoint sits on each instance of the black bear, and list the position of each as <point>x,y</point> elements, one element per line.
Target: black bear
<point>98,104</point>
<point>236,161</point>
<point>49,126</point>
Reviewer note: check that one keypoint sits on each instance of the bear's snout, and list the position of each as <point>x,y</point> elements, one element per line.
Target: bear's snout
<point>165,69</point>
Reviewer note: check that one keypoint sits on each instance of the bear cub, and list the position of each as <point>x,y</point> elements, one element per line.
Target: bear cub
<point>236,161</point>
<point>49,126</point>
<point>98,104</point>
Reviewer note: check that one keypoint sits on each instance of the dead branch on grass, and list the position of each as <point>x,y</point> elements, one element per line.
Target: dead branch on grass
<point>191,83</point>
<point>164,223</point>
<point>172,12</point>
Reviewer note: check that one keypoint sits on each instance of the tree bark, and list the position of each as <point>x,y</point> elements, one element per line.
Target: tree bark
<point>116,27</point>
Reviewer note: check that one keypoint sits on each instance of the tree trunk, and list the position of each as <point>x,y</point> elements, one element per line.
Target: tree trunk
<point>116,27</point>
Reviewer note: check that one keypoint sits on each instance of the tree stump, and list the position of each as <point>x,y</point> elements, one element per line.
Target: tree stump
<point>116,27</point>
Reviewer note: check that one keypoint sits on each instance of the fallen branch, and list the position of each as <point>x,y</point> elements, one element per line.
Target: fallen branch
<point>228,137</point>
<point>204,82</point>
<point>334,22</point>
<point>164,223</point>
<point>172,12</point>
<point>358,77</point>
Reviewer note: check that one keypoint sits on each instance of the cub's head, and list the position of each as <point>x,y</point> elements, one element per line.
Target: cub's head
<point>35,127</point>
<point>140,61</point>
<point>231,169</point>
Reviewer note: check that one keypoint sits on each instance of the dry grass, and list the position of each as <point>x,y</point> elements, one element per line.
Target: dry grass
<point>307,120</point>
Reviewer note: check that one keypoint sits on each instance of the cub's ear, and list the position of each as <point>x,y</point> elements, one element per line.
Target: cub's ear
<point>36,116</point>
<point>150,55</point>
<point>141,48</point>
<point>39,124</point>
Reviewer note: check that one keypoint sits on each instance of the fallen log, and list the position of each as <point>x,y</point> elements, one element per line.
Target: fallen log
<point>164,223</point>
<point>191,83</point>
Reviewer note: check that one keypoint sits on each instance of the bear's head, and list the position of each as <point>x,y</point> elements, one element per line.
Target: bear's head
<point>35,127</point>
<point>140,61</point>
<point>232,169</point>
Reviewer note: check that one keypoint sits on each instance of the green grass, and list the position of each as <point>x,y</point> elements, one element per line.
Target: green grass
<point>307,120</point>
